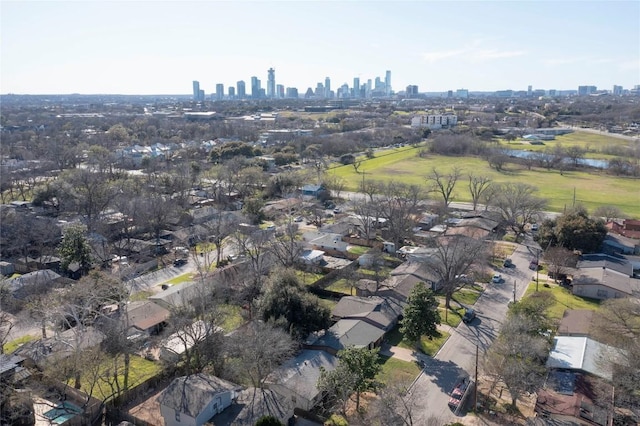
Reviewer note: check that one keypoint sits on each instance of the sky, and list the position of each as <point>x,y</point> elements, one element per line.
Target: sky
<point>160,47</point>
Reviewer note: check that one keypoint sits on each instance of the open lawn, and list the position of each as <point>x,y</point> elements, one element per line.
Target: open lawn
<point>140,295</point>
<point>429,347</point>
<point>342,286</point>
<point>591,189</point>
<point>140,370</point>
<point>591,141</point>
<point>358,250</point>
<point>14,344</point>
<point>397,371</point>
<point>232,317</point>
<point>564,300</point>
<point>307,278</point>
<point>180,279</point>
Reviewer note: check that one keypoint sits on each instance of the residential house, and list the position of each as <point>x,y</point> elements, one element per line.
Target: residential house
<point>194,400</point>
<point>12,370</point>
<point>403,279</point>
<point>172,348</point>
<point>253,403</point>
<point>311,257</point>
<point>601,283</point>
<point>297,379</point>
<point>346,333</point>
<point>61,345</point>
<point>332,244</point>
<point>576,322</point>
<point>628,228</point>
<point>35,282</point>
<point>312,190</point>
<point>580,354</point>
<point>377,311</point>
<point>146,318</point>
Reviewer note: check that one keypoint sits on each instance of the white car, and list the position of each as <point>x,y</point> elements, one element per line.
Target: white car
<point>497,279</point>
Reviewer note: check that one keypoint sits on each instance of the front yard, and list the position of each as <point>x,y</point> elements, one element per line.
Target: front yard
<point>564,300</point>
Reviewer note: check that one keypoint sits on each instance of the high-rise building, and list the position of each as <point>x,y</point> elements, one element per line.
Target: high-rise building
<point>617,90</point>
<point>529,91</point>
<point>356,87</point>
<point>292,93</point>
<point>242,90</point>
<point>255,87</point>
<point>327,87</point>
<point>219,91</point>
<point>586,90</point>
<point>412,91</point>
<point>387,83</point>
<point>319,92</point>
<point>232,92</point>
<point>279,91</point>
<point>271,83</point>
<point>462,93</point>
<point>196,90</point>
<point>368,89</point>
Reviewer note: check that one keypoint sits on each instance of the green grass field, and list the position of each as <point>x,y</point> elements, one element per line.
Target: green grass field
<point>12,345</point>
<point>429,347</point>
<point>397,371</point>
<point>591,189</point>
<point>140,370</point>
<point>564,300</point>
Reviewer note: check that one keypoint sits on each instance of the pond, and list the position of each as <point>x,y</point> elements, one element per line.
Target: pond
<point>590,162</point>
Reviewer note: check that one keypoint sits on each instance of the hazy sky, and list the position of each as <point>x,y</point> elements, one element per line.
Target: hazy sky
<point>159,47</point>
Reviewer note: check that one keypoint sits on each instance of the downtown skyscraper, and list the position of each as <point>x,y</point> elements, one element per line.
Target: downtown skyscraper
<point>271,83</point>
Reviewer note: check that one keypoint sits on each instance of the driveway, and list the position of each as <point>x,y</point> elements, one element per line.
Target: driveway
<point>457,357</point>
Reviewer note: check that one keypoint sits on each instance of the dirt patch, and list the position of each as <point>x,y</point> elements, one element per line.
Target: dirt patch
<point>494,404</point>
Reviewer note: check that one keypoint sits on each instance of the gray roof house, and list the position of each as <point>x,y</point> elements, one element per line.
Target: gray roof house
<point>253,403</point>
<point>378,311</point>
<point>576,322</point>
<point>346,333</point>
<point>601,283</point>
<point>405,277</point>
<point>194,400</point>
<point>581,354</point>
<point>296,380</point>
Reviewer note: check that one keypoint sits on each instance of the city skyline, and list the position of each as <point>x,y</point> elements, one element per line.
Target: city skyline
<point>160,47</point>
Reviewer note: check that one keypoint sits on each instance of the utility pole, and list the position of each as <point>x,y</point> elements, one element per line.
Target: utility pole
<point>475,387</point>
<point>514,291</point>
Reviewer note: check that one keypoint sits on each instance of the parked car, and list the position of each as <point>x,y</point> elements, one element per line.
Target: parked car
<point>337,210</point>
<point>534,227</point>
<point>179,262</point>
<point>469,315</point>
<point>298,219</point>
<point>507,263</point>
<point>534,266</point>
<point>497,279</point>
<point>456,397</point>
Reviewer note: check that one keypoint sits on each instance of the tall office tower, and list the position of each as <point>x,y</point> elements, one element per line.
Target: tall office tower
<point>232,92</point>
<point>196,90</point>
<point>387,83</point>
<point>201,95</point>
<point>255,87</point>
<point>553,92</point>
<point>319,92</point>
<point>279,91</point>
<point>368,92</point>
<point>242,89</point>
<point>271,83</point>
<point>617,90</point>
<point>586,90</point>
<point>219,92</point>
<point>462,93</point>
<point>378,84</point>
<point>356,87</point>
<point>327,87</point>
<point>529,91</point>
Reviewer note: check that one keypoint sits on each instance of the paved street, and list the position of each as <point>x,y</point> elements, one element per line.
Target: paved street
<point>457,356</point>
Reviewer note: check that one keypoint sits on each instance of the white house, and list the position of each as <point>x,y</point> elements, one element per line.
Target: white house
<point>194,400</point>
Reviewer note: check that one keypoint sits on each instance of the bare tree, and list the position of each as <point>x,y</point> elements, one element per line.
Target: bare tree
<point>478,185</point>
<point>517,357</point>
<point>559,260</point>
<point>453,259</point>
<point>444,184</point>
<point>617,323</point>
<point>259,349</point>
<point>287,247</point>
<point>518,205</point>
<point>396,403</point>
<point>608,213</point>
<point>398,203</point>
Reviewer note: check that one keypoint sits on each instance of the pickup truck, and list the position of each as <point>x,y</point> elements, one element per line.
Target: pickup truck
<point>458,393</point>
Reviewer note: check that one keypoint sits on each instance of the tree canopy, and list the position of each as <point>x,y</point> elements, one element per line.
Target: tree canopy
<point>421,315</point>
<point>574,230</point>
